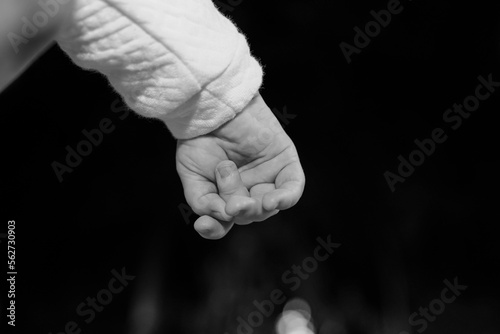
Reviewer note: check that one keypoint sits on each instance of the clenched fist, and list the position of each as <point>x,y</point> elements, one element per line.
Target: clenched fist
<point>245,171</point>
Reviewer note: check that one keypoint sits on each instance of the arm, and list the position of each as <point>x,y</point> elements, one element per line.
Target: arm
<point>180,61</point>
<point>184,63</point>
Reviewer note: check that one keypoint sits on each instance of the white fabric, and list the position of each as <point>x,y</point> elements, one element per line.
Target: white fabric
<point>180,61</point>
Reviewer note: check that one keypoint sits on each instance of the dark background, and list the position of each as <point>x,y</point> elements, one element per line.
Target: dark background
<point>120,207</point>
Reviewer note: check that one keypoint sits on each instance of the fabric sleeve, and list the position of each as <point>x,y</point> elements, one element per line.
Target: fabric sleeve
<point>180,61</point>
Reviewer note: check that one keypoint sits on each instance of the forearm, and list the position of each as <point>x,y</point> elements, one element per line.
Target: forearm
<point>28,29</point>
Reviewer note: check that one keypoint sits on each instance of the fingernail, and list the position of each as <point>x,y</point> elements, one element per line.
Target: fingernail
<point>225,171</point>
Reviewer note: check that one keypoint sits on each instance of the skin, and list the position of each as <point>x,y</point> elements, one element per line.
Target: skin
<point>15,60</point>
<point>262,170</point>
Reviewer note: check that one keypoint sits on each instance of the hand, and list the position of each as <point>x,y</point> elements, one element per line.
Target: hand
<point>247,170</point>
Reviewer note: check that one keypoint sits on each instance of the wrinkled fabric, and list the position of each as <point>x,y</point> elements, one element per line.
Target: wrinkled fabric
<point>180,61</point>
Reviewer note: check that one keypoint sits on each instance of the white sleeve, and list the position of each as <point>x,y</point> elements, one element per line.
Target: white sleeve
<point>180,61</point>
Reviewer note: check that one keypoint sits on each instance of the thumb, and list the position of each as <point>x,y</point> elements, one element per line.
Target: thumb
<point>229,180</point>
<point>233,191</point>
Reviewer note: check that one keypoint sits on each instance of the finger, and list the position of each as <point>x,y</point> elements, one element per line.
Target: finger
<point>290,184</point>
<point>209,204</point>
<point>258,192</point>
<point>233,191</point>
<point>281,199</point>
<point>212,205</point>
<point>203,198</point>
<point>212,229</point>
<point>238,204</point>
<point>246,210</point>
<point>229,181</point>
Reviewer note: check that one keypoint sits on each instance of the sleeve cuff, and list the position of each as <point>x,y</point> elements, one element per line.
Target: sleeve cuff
<point>221,99</point>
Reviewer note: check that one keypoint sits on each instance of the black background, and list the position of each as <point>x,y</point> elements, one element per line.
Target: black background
<point>120,207</point>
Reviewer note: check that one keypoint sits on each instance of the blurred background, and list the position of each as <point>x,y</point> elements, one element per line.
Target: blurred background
<point>122,206</point>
